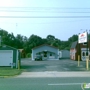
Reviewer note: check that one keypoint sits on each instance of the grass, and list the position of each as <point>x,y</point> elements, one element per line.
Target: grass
<point>7,71</point>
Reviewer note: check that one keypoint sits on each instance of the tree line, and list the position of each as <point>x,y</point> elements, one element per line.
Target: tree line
<point>27,43</point>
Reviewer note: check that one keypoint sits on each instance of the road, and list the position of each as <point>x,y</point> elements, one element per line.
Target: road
<point>64,83</point>
<point>48,75</point>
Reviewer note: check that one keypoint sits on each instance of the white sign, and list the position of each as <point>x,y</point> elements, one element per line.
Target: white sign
<point>82,38</point>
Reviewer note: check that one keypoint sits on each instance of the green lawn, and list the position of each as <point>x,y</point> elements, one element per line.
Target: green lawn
<point>7,71</point>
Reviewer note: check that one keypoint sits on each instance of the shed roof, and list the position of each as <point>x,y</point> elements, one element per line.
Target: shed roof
<point>74,44</point>
<point>8,46</point>
<point>44,45</point>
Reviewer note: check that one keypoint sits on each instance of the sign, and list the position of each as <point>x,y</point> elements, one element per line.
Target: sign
<point>82,38</point>
<point>12,64</point>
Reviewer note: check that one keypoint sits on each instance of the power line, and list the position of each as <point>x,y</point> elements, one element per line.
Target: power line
<point>44,16</point>
<point>40,11</point>
<point>40,8</point>
<point>45,7</point>
<point>41,22</point>
<point>44,22</point>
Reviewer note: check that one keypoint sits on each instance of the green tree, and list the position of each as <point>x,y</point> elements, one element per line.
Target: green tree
<point>50,39</point>
<point>19,41</point>
<point>34,41</point>
<point>22,42</point>
<point>73,38</point>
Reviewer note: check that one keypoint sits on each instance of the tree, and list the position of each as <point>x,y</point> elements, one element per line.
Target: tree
<point>34,41</point>
<point>50,39</point>
<point>73,38</point>
<point>19,41</point>
<point>44,41</point>
<point>22,42</point>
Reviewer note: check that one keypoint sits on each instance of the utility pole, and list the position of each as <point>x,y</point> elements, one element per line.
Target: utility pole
<point>87,42</point>
<point>87,53</point>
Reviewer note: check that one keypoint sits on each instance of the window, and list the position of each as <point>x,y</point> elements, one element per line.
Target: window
<point>83,53</point>
<point>86,53</point>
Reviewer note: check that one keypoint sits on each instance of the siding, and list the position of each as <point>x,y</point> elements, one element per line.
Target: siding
<point>65,54</point>
<point>14,53</point>
<point>79,50</point>
<point>43,48</point>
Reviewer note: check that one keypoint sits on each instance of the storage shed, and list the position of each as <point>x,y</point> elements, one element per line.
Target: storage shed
<point>9,56</point>
<point>64,54</point>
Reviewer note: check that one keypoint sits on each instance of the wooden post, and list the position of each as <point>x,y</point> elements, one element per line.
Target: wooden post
<point>78,60</point>
<point>18,64</point>
<point>87,63</point>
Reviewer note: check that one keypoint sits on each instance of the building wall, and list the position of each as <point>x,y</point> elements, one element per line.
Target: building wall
<point>50,57</point>
<point>49,49</point>
<point>65,54</point>
<point>78,50</point>
<point>14,53</point>
<point>72,53</point>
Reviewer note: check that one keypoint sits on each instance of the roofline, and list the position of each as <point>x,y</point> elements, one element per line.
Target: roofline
<point>10,46</point>
<point>46,45</point>
<point>74,42</point>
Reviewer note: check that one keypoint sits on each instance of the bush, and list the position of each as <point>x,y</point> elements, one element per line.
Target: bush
<point>28,55</point>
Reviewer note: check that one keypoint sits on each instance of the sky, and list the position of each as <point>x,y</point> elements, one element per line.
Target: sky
<point>62,28</point>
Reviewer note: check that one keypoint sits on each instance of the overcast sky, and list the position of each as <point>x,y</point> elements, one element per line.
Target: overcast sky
<point>61,28</point>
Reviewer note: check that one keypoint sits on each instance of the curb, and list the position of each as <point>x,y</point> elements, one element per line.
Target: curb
<point>8,76</point>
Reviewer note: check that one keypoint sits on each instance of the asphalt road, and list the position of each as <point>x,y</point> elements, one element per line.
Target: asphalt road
<point>43,83</point>
<point>54,65</point>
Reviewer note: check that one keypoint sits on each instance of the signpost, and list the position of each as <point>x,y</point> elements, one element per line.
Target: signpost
<point>83,38</point>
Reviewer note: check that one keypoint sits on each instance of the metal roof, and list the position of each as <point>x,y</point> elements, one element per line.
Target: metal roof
<point>74,44</point>
<point>44,45</point>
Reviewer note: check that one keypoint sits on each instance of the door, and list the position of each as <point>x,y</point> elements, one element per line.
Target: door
<point>83,55</point>
<point>6,57</point>
<point>45,56</point>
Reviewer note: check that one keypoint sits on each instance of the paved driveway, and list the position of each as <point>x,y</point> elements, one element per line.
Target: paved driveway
<point>58,65</point>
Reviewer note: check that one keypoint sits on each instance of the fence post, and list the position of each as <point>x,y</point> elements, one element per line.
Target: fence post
<point>18,64</point>
<point>78,60</point>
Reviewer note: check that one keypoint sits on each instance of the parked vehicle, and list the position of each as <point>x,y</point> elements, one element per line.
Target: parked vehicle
<point>38,58</point>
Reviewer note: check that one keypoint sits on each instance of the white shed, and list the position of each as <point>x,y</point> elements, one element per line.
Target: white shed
<point>64,54</point>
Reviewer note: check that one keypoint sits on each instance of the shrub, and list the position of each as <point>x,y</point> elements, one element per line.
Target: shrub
<point>28,55</point>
